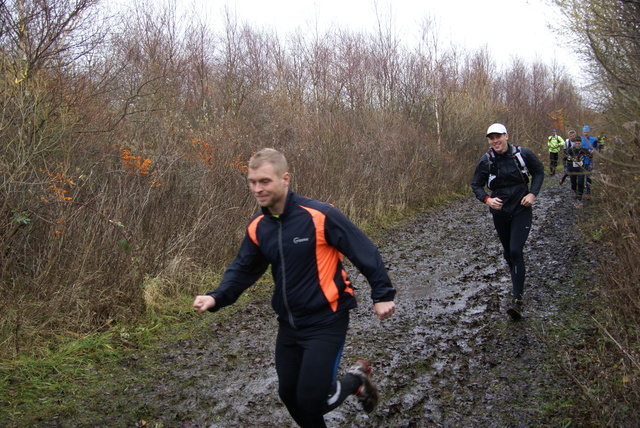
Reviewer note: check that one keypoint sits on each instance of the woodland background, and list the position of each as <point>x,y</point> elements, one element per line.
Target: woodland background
<point>125,137</point>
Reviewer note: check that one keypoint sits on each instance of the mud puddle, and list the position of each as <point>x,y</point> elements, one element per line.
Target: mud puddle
<point>450,356</point>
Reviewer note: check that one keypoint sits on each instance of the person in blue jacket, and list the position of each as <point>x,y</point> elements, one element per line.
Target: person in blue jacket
<point>304,241</point>
<point>505,170</point>
<point>591,144</point>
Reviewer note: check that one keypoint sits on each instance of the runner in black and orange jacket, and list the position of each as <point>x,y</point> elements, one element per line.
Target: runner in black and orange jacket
<point>303,240</point>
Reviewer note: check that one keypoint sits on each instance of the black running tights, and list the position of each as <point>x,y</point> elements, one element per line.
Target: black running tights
<point>513,232</point>
<point>307,362</point>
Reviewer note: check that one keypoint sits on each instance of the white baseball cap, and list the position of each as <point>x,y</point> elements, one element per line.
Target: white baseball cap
<point>496,128</point>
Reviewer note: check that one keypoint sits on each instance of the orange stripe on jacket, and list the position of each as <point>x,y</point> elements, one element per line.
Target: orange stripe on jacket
<point>251,229</point>
<point>327,258</point>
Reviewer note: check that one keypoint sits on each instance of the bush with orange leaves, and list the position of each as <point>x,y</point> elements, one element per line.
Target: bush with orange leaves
<point>57,183</point>
<point>134,164</point>
<point>205,152</point>
<point>241,165</point>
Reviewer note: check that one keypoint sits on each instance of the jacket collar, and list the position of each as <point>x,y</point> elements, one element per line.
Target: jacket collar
<point>289,203</point>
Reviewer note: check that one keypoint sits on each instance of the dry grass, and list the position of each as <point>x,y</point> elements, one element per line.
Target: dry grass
<point>614,228</point>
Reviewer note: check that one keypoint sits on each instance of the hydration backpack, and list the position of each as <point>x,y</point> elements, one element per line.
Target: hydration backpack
<point>516,155</point>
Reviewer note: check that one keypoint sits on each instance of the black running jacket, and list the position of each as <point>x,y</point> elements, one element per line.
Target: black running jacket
<point>508,183</point>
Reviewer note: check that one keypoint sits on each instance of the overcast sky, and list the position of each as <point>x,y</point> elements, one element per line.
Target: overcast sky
<point>508,27</point>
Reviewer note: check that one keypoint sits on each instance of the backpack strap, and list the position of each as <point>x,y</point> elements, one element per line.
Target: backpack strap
<point>493,173</point>
<point>519,160</point>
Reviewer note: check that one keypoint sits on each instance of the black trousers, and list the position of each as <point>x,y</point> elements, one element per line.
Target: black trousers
<point>513,232</point>
<point>587,181</point>
<point>553,162</point>
<point>307,362</point>
<point>578,183</point>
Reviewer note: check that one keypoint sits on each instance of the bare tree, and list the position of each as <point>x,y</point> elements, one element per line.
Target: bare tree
<point>38,32</point>
<point>606,36</point>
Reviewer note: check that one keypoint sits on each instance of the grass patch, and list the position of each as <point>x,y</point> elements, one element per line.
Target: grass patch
<point>33,388</point>
<point>580,349</point>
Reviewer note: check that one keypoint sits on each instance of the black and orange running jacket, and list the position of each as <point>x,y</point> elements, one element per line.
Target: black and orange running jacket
<point>304,246</point>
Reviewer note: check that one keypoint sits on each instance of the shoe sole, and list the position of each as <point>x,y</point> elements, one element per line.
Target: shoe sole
<point>370,402</point>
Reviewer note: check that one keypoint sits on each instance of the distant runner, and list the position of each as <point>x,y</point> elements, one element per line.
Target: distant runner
<point>565,151</point>
<point>578,156</point>
<point>591,144</point>
<point>555,143</point>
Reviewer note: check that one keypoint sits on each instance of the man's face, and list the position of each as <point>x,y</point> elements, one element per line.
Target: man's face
<point>269,189</point>
<point>578,143</point>
<point>498,142</point>
<point>585,134</point>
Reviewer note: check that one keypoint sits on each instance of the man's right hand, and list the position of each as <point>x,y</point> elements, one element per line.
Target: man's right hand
<point>495,203</point>
<point>203,303</point>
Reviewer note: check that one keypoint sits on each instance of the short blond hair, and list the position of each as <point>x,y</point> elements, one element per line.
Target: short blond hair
<point>272,156</point>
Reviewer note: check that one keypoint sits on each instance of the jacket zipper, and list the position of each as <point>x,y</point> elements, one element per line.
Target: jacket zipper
<point>284,275</point>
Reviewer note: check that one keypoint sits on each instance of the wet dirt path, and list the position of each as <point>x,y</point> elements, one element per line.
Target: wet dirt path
<point>450,356</point>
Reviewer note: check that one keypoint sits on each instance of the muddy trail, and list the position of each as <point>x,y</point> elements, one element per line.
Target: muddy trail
<point>449,357</point>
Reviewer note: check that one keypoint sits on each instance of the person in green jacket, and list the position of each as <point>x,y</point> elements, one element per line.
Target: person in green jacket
<point>555,143</point>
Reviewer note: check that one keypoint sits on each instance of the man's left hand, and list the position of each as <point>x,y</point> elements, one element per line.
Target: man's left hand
<point>528,200</point>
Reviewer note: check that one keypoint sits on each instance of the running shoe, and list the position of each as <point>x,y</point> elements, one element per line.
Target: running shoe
<point>515,310</point>
<point>367,393</point>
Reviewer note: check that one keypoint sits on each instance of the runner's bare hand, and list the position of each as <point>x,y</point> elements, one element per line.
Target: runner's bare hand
<point>384,310</point>
<point>495,203</point>
<point>528,200</point>
<point>203,303</point>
